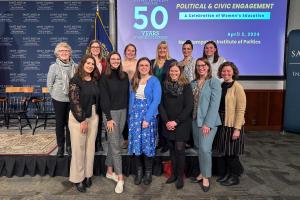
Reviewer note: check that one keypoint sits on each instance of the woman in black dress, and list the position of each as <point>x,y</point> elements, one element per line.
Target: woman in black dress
<point>176,113</point>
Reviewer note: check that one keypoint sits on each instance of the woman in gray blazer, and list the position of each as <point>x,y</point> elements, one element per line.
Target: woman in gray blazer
<point>207,95</point>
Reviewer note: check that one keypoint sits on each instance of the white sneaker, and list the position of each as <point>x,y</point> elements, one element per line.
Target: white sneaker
<point>112,176</point>
<point>119,187</point>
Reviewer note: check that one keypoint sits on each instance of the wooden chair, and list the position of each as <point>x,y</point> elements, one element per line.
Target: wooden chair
<point>44,109</point>
<point>3,101</point>
<point>17,102</point>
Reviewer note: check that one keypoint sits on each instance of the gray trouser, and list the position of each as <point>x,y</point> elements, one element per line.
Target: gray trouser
<point>113,158</point>
<point>205,146</point>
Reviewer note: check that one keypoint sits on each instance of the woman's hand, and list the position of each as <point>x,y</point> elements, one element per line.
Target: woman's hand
<point>171,125</point>
<point>205,130</point>
<point>236,134</point>
<point>110,126</point>
<point>84,127</point>
<point>145,124</point>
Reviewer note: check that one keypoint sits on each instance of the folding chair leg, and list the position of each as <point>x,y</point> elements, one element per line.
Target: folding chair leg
<point>20,124</point>
<point>35,125</point>
<point>28,122</point>
<point>7,121</point>
<point>45,122</point>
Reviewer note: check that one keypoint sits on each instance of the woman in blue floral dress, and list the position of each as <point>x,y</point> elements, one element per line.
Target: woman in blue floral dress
<point>145,95</point>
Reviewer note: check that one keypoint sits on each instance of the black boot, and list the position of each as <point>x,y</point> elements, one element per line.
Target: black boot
<point>148,170</point>
<point>232,180</point>
<point>139,176</point>
<point>147,177</point>
<point>223,178</point>
<point>69,150</point>
<point>80,187</point>
<point>60,151</point>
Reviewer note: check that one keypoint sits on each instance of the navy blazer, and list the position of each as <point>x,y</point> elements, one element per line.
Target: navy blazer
<point>209,102</point>
<point>152,95</point>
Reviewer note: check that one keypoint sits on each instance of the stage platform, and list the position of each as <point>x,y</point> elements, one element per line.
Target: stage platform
<point>271,162</point>
<point>30,164</point>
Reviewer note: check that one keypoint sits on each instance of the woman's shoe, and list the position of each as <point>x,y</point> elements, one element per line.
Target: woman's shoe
<point>88,182</point>
<point>179,183</point>
<point>195,180</point>
<point>80,187</point>
<point>223,178</point>
<point>204,188</point>
<point>119,187</point>
<point>172,179</point>
<point>233,180</point>
<point>112,176</point>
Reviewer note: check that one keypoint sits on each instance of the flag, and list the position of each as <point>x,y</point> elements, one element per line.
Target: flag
<point>101,35</point>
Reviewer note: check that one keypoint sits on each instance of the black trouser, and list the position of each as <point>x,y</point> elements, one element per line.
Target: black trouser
<point>99,134</point>
<point>177,153</point>
<point>232,165</point>
<point>162,141</point>
<point>148,161</point>
<point>125,131</point>
<point>62,110</point>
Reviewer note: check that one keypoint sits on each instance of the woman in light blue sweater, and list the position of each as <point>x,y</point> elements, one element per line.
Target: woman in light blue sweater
<point>58,79</point>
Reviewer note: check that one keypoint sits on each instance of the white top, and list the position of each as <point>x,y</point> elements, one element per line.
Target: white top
<point>140,92</point>
<point>215,66</point>
<point>99,66</point>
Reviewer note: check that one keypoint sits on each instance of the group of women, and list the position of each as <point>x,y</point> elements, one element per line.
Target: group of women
<point>159,101</point>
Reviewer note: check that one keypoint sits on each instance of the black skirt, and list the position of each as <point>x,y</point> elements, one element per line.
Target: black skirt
<point>223,142</point>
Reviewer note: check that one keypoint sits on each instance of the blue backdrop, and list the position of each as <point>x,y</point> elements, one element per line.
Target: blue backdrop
<point>292,93</point>
<point>29,31</point>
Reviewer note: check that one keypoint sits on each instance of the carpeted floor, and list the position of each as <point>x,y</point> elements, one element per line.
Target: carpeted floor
<point>12,143</point>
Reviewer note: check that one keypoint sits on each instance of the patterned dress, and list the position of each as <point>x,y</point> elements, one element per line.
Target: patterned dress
<point>141,140</point>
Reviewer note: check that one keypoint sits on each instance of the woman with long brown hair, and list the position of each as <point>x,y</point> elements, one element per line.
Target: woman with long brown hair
<point>84,96</point>
<point>176,113</point>
<point>114,93</point>
<point>145,94</point>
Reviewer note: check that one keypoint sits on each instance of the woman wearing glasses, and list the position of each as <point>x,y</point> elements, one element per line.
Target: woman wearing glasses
<point>94,49</point>
<point>207,96</point>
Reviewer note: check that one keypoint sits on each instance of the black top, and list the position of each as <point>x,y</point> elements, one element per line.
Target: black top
<point>177,108</point>
<point>114,93</point>
<point>84,94</point>
<point>225,87</point>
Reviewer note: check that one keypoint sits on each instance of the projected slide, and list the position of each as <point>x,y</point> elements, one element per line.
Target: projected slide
<point>250,33</point>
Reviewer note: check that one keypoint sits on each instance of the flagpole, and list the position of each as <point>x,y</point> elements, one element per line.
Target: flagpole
<point>97,6</point>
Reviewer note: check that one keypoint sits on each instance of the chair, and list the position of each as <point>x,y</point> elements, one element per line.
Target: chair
<point>16,105</point>
<point>44,109</point>
<point>3,101</point>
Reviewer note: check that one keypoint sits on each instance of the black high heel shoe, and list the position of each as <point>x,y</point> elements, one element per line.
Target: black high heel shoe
<point>88,182</point>
<point>223,178</point>
<point>179,183</point>
<point>80,187</point>
<point>205,188</point>
<point>195,180</point>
